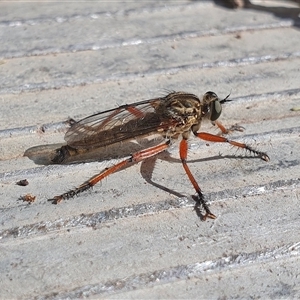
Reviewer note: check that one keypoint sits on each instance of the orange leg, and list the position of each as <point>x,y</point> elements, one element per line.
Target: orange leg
<point>136,157</point>
<point>215,138</point>
<point>183,156</point>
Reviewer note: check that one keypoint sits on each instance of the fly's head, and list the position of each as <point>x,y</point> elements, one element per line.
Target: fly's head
<point>212,106</point>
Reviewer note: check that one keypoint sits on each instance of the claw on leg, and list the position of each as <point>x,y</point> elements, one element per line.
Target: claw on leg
<point>236,127</point>
<point>224,130</point>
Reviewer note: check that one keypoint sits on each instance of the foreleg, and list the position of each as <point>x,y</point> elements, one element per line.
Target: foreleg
<point>220,139</point>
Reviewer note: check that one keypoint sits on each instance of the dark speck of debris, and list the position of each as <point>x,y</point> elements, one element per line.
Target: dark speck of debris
<point>23,182</point>
<point>28,198</point>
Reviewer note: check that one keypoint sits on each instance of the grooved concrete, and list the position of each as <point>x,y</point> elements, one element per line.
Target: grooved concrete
<point>136,235</point>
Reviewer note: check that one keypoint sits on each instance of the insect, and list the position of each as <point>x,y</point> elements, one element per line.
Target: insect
<point>177,114</point>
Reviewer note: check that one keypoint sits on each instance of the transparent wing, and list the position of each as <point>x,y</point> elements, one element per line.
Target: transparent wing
<point>116,125</point>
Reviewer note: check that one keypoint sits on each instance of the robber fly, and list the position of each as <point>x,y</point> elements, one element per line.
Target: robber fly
<point>177,114</point>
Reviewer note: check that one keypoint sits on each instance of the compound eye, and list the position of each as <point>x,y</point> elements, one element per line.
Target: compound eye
<point>210,96</point>
<point>215,110</point>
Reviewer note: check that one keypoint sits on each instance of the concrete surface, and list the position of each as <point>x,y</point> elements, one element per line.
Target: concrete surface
<point>136,235</point>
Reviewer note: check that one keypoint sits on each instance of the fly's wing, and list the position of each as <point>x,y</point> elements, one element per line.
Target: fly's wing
<point>116,125</point>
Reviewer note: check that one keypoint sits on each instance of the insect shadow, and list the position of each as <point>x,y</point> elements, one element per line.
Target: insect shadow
<point>148,166</point>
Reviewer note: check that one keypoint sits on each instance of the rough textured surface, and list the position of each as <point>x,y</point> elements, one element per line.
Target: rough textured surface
<point>137,235</point>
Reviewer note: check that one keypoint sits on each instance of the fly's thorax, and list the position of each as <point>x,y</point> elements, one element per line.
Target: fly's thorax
<point>178,112</point>
<point>183,108</point>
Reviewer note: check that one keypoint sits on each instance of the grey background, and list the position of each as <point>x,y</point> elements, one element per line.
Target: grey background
<point>136,234</point>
